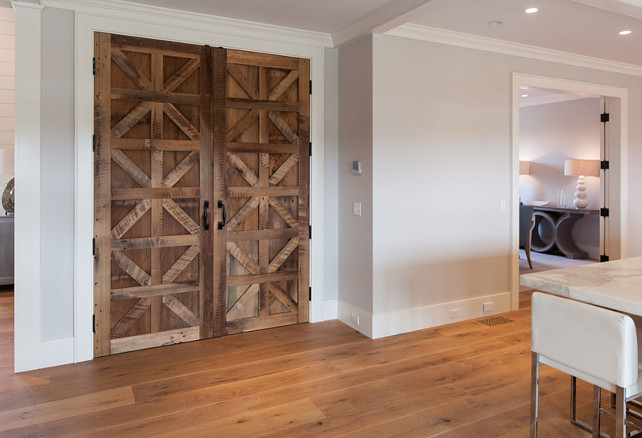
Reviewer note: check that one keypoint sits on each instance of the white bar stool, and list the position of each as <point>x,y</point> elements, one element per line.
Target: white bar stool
<point>594,344</point>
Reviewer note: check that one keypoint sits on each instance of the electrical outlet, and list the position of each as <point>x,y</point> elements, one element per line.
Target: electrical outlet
<point>454,313</point>
<point>356,208</point>
<point>354,318</point>
<point>488,307</point>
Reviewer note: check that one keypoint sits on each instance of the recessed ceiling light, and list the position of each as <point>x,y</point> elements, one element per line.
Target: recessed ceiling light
<point>531,10</point>
<point>495,23</point>
<point>625,32</point>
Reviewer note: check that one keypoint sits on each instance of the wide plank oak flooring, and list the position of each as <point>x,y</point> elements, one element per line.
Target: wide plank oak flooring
<point>464,379</point>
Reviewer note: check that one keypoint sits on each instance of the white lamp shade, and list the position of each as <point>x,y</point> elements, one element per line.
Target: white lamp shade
<point>524,167</point>
<point>582,167</point>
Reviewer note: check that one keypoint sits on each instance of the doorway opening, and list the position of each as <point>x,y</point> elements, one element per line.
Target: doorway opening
<point>608,142</point>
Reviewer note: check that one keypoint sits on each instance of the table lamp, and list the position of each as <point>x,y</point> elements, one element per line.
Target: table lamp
<point>581,169</point>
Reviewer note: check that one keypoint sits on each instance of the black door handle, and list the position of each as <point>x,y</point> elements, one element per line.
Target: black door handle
<point>222,224</point>
<point>206,206</point>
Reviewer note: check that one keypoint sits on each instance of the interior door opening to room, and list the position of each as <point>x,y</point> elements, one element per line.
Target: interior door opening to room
<point>201,192</point>
<point>613,182</point>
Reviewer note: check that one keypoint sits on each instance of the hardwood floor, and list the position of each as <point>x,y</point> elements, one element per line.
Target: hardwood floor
<point>461,380</point>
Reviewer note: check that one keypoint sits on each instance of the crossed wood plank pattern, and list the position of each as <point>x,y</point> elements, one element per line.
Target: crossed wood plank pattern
<point>155,191</point>
<point>265,190</point>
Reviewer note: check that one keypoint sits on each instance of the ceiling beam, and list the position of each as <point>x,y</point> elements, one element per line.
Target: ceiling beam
<point>389,16</point>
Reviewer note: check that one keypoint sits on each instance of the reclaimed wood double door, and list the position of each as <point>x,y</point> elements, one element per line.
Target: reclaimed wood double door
<point>201,192</point>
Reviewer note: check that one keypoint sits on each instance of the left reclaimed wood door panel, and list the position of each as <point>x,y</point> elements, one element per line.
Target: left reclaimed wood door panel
<point>153,192</point>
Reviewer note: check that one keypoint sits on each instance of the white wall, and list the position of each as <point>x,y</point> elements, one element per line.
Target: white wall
<point>550,134</point>
<point>441,178</point>
<point>331,179</point>
<point>57,175</point>
<point>7,95</point>
<point>355,143</point>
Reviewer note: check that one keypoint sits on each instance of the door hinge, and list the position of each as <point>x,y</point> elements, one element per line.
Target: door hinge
<point>310,148</point>
<point>94,143</point>
<point>604,212</point>
<point>93,322</point>
<point>310,232</point>
<point>604,258</point>
<point>310,86</point>
<point>604,165</point>
<point>93,247</point>
<point>93,66</point>
<point>604,117</point>
<point>310,293</point>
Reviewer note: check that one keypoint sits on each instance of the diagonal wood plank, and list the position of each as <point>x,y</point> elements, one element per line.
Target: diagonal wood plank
<point>246,172</point>
<point>284,213</point>
<point>243,212</point>
<point>179,214</point>
<point>181,310</point>
<point>283,254</point>
<point>179,119</point>
<point>125,323</point>
<point>248,120</point>
<point>284,169</point>
<point>180,264</point>
<point>241,79</point>
<point>131,70</point>
<point>283,127</point>
<point>131,119</point>
<point>239,255</point>
<point>131,268</point>
<point>242,301</point>
<point>132,169</point>
<point>179,77</point>
<point>280,88</point>
<point>281,295</point>
<point>181,169</point>
<point>131,218</point>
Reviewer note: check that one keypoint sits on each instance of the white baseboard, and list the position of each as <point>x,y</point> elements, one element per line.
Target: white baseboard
<point>404,321</point>
<point>56,352</point>
<point>345,312</point>
<point>330,309</point>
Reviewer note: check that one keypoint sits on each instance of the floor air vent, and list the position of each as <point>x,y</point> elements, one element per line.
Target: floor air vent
<point>496,320</point>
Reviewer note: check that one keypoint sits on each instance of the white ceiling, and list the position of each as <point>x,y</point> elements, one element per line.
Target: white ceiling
<point>586,27</point>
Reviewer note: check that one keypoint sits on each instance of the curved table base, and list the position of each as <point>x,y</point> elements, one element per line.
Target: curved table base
<point>549,232</point>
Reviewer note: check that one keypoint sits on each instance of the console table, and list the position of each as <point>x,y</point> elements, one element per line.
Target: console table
<point>553,227</point>
<point>6,250</point>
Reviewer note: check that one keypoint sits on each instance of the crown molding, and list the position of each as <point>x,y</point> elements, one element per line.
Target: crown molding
<point>193,21</point>
<point>441,36</point>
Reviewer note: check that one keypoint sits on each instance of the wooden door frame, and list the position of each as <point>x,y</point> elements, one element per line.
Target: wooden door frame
<point>618,226</point>
<point>178,29</point>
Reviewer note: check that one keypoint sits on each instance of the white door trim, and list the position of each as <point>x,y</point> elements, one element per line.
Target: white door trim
<point>618,228</point>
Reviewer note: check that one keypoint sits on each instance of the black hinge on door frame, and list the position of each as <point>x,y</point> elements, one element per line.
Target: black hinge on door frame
<point>604,165</point>
<point>310,149</point>
<point>94,143</point>
<point>604,117</point>
<point>93,247</point>
<point>310,293</point>
<point>604,212</point>
<point>93,322</point>
<point>310,86</point>
<point>93,66</point>
<point>310,232</point>
<point>604,258</point>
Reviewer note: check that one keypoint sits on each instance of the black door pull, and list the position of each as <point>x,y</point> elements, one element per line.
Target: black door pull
<point>222,224</point>
<point>206,206</point>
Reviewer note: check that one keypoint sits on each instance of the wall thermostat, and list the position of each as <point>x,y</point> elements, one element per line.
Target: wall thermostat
<point>356,167</point>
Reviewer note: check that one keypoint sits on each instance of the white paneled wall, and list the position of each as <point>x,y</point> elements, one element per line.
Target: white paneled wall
<point>7,94</point>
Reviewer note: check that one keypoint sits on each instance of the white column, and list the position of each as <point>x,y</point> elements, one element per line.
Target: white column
<point>27,169</point>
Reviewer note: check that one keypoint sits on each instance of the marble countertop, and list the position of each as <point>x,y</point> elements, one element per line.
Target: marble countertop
<point>615,285</point>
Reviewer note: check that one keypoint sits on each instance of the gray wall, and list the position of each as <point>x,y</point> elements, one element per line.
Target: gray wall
<point>57,174</point>
<point>355,133</point>
<point>330,178</point>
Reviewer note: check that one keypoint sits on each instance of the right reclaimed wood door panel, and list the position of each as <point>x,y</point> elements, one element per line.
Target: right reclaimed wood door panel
<point>267,174</point>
